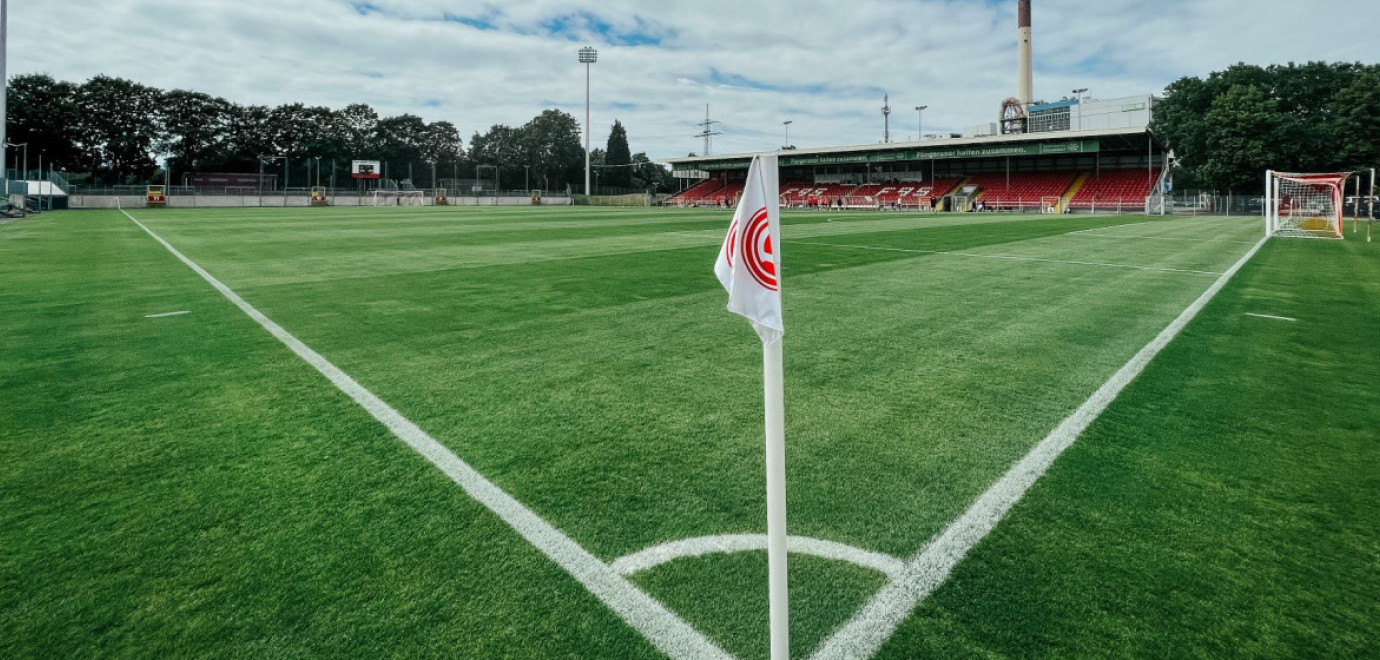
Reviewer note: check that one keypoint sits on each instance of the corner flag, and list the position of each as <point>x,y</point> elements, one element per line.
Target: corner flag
<point>749,264</point>
<point>749,267</point>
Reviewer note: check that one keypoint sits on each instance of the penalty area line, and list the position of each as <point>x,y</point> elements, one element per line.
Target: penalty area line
<point>167,314</point>
<point>1013,257</point>
<point>863,634</point>
<point>668,632</point>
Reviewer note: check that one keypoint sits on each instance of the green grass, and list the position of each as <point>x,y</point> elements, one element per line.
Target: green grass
<point>187,486</point>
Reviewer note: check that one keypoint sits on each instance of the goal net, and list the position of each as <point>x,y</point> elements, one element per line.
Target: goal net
<point>1304,205</point>
<point>398,198</point>
<point>1051,205</point>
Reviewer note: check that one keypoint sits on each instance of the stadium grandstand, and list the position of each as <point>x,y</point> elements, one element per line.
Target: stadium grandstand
<point>1099,169</point>
<point>1075,154</point>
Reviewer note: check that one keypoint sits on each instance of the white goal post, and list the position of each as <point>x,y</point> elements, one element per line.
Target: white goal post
<point>398,198</point>
<point>1304,205</point>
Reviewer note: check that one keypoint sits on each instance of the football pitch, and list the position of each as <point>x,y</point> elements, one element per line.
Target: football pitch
<point>536,432</point>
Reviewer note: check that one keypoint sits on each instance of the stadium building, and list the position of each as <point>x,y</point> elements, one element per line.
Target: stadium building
<point>1072,155</point>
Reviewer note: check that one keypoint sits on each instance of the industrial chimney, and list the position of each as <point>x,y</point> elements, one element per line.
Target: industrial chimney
<point>1025,72</point>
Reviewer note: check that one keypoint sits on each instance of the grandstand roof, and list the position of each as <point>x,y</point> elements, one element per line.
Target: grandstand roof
<point>1024,144</point>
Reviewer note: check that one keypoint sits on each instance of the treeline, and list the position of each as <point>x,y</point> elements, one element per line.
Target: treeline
<point>1231,127</point>
<point>116,131</point>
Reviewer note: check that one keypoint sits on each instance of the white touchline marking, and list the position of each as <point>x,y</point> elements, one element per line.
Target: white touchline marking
<point>863,634</point>
<point>668,632</point>
<point>1270,316</point>
<point>167,314</point>
<point>1012,257</point>
<point>1089,234</point>
<point>729,543</point>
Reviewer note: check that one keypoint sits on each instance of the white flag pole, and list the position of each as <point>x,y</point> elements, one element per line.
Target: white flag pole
<point>773,382</point>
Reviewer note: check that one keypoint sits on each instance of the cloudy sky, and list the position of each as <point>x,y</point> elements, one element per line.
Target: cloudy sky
<point>822,65</point>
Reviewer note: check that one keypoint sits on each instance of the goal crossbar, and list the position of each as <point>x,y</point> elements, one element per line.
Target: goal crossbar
<point>398,198</point>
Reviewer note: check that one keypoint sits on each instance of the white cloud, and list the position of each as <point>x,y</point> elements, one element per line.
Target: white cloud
<point>824,64</point>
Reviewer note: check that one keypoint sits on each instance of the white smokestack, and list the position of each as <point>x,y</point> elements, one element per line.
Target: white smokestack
<point>1025,69</point>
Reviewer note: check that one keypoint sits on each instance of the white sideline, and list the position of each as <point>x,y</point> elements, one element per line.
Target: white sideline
<point>668,632</point>
<point>1012,257</point>
<point>863,634</point>
<point>657,555</point>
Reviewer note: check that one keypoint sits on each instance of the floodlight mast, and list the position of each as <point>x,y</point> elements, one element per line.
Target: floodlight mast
<point>4,99</point>
<point>886,119</point>
<point>920,122</point>
<point>588,56</point>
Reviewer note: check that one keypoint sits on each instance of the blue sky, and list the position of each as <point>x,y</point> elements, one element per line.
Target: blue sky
<point>822,65</point>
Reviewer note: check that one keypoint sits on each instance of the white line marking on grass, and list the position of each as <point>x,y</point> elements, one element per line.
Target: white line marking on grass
<point>729,543</point>
<point>1086,234</point>
<point>1124,224</point>
<point>167,314</point>
<point>1270,316</point>
<point>869,628</point>
<point>1012,257</point>
<point>668,632</point>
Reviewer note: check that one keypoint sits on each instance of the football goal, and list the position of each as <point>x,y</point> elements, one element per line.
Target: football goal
<point>398,198</point>
<point>1051,205</point>
<point>1304,205</point>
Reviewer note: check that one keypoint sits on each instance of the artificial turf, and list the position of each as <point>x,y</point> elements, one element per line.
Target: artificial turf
<point>185,485</point>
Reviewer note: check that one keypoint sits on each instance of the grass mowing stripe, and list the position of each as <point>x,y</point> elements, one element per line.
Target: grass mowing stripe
<point>865,633</point>
<point>1011,257</point>
<point>659,625</point>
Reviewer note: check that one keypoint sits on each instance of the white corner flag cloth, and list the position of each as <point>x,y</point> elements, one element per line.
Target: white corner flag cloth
<point>749,264</point>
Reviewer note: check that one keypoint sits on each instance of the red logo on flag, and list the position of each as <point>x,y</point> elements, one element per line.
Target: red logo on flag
<point>757,250</point>
<point>732,243</point>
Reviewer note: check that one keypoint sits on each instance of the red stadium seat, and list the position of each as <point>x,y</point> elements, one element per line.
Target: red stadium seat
<point>1116,188</point>
<point>1024,190</point>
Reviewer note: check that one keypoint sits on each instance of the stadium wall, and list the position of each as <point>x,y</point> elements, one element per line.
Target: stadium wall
<point>279,201</point>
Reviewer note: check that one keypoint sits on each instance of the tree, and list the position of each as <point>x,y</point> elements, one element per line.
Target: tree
<point>648,175</point>
<point>1229,127</point>
<point>1248,136</point>
<point>399,142</point>
<point>44,114</point>
<point>359,123</point>
<point>618,158</point>
<point>1356,121</point>
<point>195,128</point>
<point>250,136</point>
<point>551,142</point>
<point>119,127</point>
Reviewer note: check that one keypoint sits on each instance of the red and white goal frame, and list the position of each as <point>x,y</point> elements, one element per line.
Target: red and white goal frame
<point>1304,205</point>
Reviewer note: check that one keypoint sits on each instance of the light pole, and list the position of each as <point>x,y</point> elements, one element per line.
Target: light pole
<point>886,119</point>
<point>4,103</point>
<point>23,176</point>
<point>318,171</point>
<point>920,122</point>
<point>1079,94</point>
<point>588,56</point>
<point>787,124</point>
<point>527,176</point>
